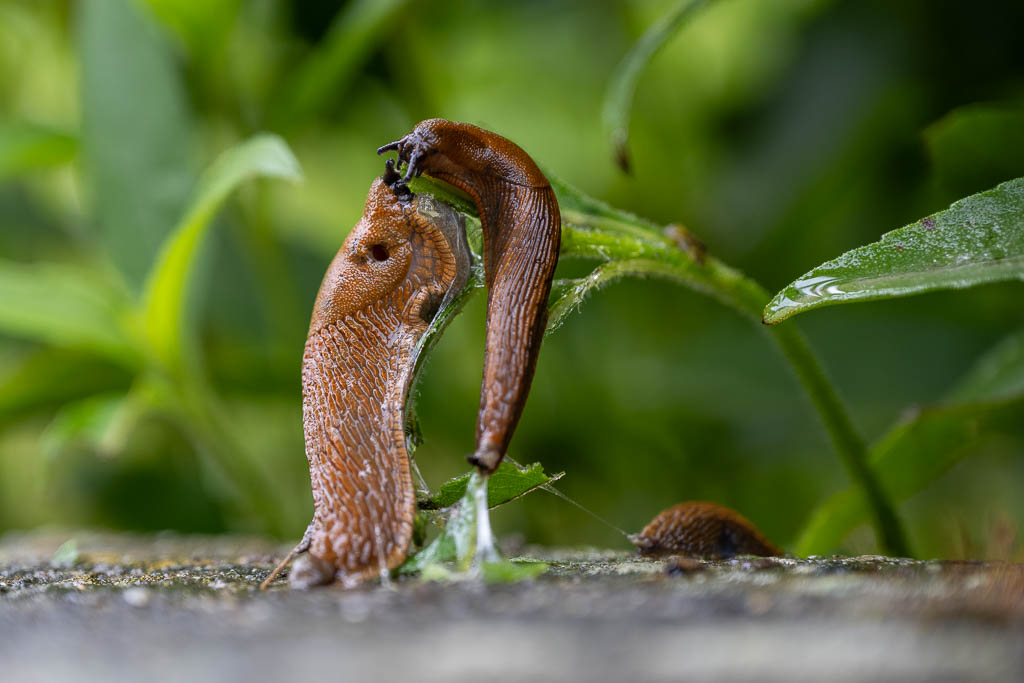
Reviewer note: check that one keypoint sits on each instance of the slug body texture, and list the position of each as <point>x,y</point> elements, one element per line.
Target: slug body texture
<point>392,274</point>
<point>701,529</point>
<point>522,233</point>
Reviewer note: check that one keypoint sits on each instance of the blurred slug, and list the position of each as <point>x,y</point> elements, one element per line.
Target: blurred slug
<point>700,529</point>
<point>522,232</point>
<point>398,267</point>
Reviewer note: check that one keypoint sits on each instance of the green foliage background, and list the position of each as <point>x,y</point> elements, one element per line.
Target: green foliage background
<point>781,133</point>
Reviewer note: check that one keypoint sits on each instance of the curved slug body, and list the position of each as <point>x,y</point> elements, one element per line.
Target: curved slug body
<point>700,529</point>
<point>522,233</point>
<point>379,295</point>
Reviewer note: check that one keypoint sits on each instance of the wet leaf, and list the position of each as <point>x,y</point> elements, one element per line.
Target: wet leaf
<point>618,99</point>
<point>166,298</point>
<point>67,306</point>
<point>977,240</point>
<point>989,400</point>
<point>457,540</point>
<point>508,483</point>
<point>26,147</point>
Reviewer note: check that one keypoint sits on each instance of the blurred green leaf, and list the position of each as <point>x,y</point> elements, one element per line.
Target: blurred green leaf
<point>27,147</point>
<point>977,146</point>
<point>512,571</point>
<point>201,25</point>
<point>618,100</point>
<point>166,297</point>
<point>99,422</point>
<point>923,446</point>
<point>135,131</point>
<point>508,483</point>
<point>67,306</point>
<point>329,69</point>
<point>977,240</point>
<point>50,377</point>
<point>999,374</point>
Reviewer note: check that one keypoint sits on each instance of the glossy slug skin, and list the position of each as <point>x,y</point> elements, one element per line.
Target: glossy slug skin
<point>522,231</point>
<point>700,529</point>
<point>392,274</point>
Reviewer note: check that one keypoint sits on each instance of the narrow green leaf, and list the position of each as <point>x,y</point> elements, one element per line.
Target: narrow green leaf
<point>508,483</point>
<point>166,298</point>
<point>330,68</point>
<point>135,130</point>
<point>67,306</point>
<point>618,100</point>
<point>977,240</point>
<point>921,447</point>
<point>27,147</point>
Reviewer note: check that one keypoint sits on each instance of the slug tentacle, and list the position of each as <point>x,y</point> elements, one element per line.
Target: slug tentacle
<point>522,232</point>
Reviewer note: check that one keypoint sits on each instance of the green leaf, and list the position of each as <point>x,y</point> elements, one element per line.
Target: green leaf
<point>100,422</point>
<point>135,131</point>
<point>977,146</point>
<point>27,147</point>
<point>167,323</point>
<point>67,306</point>
<point>997,375</point>
<point>506,484</point>
<point>921,447</point>
<point>330,68</point>
<point>630,246</point>
<point>977,240</point>
<point>457,540</point>
<point>50,377</point>
<point>618,100</point>
<point>512,571</point>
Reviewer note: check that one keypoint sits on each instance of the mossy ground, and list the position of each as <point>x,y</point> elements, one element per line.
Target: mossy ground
<point>119,607</point>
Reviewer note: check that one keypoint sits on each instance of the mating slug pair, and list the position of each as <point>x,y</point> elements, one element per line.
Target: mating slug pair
<point>402,262</point>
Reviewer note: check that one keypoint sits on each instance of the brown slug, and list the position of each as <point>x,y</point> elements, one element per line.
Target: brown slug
<point>522,232</point>
<point>701,529</point>
<point>394,271</point>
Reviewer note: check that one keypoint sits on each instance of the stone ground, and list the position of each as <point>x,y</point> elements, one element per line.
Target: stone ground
<point>163,608</point>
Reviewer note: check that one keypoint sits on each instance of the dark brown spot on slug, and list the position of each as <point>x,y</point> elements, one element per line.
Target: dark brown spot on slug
<point>356,371</point>
<point>701,529</point>
<point>522,230</point>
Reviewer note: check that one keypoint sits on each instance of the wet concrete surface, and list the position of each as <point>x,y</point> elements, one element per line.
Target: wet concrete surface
<point>170,608</point>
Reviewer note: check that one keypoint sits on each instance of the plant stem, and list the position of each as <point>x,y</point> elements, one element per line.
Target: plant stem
<point>629,246</point>
<point>748,297</point>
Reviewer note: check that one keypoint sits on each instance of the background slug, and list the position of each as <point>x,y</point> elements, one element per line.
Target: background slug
<point>381,291</point>
<point>701,529</point>
<point>522,232</point>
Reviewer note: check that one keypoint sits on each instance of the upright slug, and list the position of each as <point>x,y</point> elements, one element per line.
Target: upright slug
<point>395,270</point>
<point>522,233</point>
<point>701,529</point>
